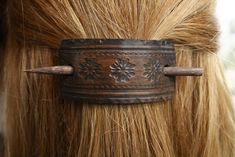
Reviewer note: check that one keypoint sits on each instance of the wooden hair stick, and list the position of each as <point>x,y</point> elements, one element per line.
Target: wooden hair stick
<point>53,70</point>
<point>68,70</point>
<point>180,71</point>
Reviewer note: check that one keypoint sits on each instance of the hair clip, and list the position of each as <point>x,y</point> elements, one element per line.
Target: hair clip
<point>117,71</point>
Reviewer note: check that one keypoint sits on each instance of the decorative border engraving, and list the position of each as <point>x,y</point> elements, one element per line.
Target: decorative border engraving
<point>122,70</point>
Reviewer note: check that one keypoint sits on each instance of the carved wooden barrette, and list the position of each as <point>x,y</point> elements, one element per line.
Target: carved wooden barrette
<point>117,71</point>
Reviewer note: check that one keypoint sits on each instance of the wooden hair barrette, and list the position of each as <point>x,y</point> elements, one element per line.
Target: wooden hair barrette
<point>117,71</point>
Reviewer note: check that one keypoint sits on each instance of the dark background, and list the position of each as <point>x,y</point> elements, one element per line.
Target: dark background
<point>2,21</point>
<point>3,33</point>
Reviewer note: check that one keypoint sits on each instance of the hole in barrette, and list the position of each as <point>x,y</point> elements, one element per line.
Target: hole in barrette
<point>73,70</point>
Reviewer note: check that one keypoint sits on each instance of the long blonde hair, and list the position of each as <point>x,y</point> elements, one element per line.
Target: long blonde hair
<point>198,122</point>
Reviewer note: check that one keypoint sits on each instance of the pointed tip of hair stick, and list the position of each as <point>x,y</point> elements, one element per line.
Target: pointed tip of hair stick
<point>54,70</point>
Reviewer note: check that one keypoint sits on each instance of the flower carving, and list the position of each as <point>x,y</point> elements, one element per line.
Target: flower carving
<point>122,70</point>
<point>153,70</point>
<point>90,70</point>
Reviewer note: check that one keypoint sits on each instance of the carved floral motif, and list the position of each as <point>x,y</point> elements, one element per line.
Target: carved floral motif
<point>90,70</point>
<point>122,70</point>
<point>153,70</point>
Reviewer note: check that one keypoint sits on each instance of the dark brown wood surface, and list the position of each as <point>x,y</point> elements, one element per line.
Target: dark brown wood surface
<point>117,71</point>
<point>1,145</point>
